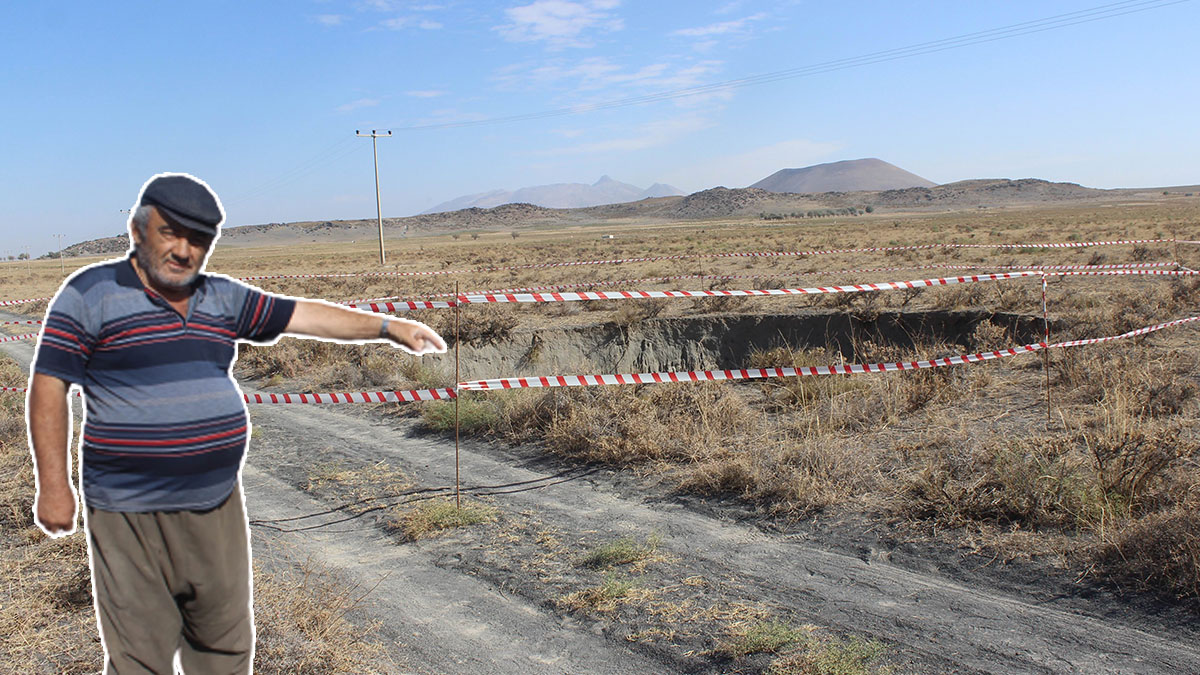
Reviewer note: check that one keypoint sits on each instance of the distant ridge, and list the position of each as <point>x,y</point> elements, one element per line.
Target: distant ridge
<point>560,195</point>
<point>850,175</point>
<point>715,203</point>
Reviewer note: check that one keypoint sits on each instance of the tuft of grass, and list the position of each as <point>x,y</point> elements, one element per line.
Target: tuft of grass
<point>433,517</point>
<point>475,416</point>
<point>623,551</point>
<point>603,598</point>
<point>762,637</point>
<point>852,656</point>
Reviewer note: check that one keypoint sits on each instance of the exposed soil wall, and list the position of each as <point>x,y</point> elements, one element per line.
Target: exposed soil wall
<point>721,341</point>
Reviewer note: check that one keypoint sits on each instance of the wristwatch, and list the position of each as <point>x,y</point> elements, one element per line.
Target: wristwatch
<point>383,328</point>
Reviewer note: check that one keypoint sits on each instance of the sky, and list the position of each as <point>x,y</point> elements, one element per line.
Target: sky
<point>263,99</point>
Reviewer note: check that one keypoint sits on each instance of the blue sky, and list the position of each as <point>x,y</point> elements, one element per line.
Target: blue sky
<point>262,99</point>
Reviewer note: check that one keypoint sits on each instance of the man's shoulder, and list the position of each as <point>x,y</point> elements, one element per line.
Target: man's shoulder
<point>95,276</point>
<point>222,284</point>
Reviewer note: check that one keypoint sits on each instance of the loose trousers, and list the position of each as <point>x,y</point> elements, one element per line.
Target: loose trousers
<point>172,581</point>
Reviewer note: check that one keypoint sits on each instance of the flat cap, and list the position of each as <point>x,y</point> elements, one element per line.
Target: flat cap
<point>185,200</point>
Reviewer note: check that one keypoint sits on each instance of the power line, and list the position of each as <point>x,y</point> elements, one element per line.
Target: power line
<point>1055,22</point>
<point>332,153</point>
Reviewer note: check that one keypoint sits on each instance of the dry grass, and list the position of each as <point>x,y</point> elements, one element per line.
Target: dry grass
<point>606,597</point>
<point>433,517</point>
<point>623,551</point>
<point>801,650</point>
<point>47,623</point>
<point>301,617</point>
<point>46,619</point>
<point>954,446</point>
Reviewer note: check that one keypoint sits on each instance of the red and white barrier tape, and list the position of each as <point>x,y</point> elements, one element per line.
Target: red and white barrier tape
<point>692,256</point>
<point>401,306</point>
<point>856,288</point>
<point>1122,336</point>
<point>356,397</point>
<point>10,338</point>
<point>628,295</point>
<point>401,300</point>
<point>21,323</point>
<point>1111,273</point>
<point>741,374</point>
<point>7,303</point>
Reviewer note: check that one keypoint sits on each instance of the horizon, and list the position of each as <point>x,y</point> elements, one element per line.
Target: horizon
<point>262,102</point>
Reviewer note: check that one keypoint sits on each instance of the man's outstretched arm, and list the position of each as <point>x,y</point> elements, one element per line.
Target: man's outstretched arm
<point>322,320</point>
<point>50,433</point>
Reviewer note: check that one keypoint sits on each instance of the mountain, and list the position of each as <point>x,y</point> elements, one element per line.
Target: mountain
<point>560,195</point>
<point>846,176</point>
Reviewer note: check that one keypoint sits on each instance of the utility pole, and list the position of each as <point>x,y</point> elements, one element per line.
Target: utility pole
<point>61,268</point>
<point>378,208</point>
<point>28,262</point>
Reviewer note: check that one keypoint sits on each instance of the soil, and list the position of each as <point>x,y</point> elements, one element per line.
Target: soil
<point>493,597</point>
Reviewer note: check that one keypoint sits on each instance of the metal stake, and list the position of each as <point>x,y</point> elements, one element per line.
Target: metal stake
<point>1045,350</point>
<point>457,393</point>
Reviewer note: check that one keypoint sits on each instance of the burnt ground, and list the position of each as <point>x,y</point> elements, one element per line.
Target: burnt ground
<point>491,597</point>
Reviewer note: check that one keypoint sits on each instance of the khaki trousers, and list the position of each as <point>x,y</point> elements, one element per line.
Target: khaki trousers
<point>173,581</point>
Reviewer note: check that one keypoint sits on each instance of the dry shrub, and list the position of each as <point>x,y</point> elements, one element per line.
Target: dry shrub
<point>1134,303</point>
<point>962,296</point>
<point>1031,483</point>
<point>477,324</point>
<point>1127,382</point>
<point>721,303</point>
<point>791,392</point>
<point>1160,552</point>
<point>989,337</point>
<point>1093,478</point>
<point>636,424</point>
<point>1131,460</point>
<point>787,470</point>
<point>635,312</point>
<point>908,392</point>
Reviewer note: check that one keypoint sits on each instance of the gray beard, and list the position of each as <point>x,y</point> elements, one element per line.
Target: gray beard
<point>151,271</point>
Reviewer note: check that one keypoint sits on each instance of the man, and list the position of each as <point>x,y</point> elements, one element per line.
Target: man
<point>150,339</point>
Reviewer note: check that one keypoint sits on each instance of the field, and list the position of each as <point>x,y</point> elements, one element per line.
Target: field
<point>1070,473</point>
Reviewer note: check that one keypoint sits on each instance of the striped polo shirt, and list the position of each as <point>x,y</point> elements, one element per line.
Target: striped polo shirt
<point>166,425</point>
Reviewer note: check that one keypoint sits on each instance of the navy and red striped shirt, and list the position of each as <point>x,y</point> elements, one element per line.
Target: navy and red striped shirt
<point>166,425</point>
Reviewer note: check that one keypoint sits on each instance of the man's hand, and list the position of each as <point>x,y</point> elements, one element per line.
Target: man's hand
<point>49,431</point>
<point>415,337</point>
<point>324,320</point>
<point>54,509</point>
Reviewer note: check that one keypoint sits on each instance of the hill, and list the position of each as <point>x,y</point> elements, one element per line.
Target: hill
<point>715,203</point>
<point>559,195</point>
<point>846,176</point>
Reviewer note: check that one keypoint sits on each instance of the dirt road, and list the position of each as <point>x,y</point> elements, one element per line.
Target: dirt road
<point>933,623</point>
<point>476,603</point>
